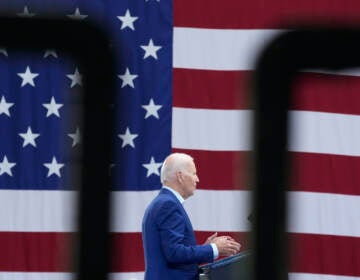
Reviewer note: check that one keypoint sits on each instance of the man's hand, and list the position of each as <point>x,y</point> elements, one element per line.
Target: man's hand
<point>212,238</point>
<point>226,245</point>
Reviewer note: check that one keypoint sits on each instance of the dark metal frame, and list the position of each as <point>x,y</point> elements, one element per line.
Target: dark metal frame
<point>89,47</point>
<point>275,72</point>
<point>278,65</point>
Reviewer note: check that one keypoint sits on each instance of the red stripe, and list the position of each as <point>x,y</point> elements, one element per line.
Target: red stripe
<point>211,89</point>
<point>257,14</point>
<point>128,248</point>
<point>327,93</point>
<point>50,252</point>
<point>325,254</point>
<point>35,251</point>
<point>128,253</point>
<point>342,173</point>
<point>220,170</point>
<point>231,90</point>
<point>310,253</point>
<point>230,171</point>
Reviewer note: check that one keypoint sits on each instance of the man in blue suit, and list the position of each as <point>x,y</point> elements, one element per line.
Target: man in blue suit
<point>169,242</point>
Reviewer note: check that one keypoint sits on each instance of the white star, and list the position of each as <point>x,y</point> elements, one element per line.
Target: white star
<point>151,109</point>
<point>28,77</point>
<point>77,15</point>
<point>151,49</point>
<point>29,137</point>
<point>156,0</point>
<point>152,167</point>
<point>127,78</point>
<point>25,13</point>
<point>54,167</point>
<point>52,107</point>
<point>76,137</point>
<point>50,52</point>
<point>76,78</point>
<point>127,20</point>
<point>128,138</point>
<point>4,106</point>
<point>5,166</point>
<point>3,51</point>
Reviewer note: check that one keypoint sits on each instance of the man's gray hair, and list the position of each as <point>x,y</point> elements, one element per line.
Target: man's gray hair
<point>172,164</point>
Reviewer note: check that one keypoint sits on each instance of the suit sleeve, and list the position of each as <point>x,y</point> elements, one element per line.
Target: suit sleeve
<point>171,224</point>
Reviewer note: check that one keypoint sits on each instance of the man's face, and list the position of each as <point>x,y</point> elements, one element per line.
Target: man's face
<point>189,179</point>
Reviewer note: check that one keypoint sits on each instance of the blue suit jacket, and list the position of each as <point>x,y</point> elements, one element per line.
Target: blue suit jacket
<point>169,241</point>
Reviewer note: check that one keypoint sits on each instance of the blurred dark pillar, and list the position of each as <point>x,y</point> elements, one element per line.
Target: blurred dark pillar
<point>89,48</point>
<point>306,48</point>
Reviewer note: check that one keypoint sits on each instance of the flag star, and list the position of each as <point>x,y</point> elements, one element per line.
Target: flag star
<point>26,13</point>
<point>77,15</point>
<point>28,77</point>
<point>151,109</point>
<point>128,138</point>
<point>152,167</point>
<point>50,52</point>
<point>52,107</point>
<point>5,166</point>
<point>3,51</point>
<point>4,106</point>
<point>127,20</point>
<point>148,0</point>
<point>76,137</point>
<point>54,167</point>
<point>76,78</point>
<point>127,78</point>
<point>29,137</point>
<point>151,49</point>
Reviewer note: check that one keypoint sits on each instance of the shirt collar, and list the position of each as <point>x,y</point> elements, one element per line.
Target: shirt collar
<point>178,196</point>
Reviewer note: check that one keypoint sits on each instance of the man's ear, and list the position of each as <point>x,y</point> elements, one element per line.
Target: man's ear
<point>179,176</point>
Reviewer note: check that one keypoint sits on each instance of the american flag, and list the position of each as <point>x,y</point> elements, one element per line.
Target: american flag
<point>183,76</point>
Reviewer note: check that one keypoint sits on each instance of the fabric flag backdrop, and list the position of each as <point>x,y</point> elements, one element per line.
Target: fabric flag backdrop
<point>183,77</point>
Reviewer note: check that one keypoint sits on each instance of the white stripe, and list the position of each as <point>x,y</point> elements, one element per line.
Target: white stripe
<point>343,72</point>
<point>140,276</point>
<point>227,49</point>
<point>218,49</point>
<point>40,211</point>
<point>292,276</point>
<point>219,210</point>
<point>36,276</point>
<point>64,276</point>
<point>203,129</point>
<point>323,213</point>
<point>229,130</point>
<point>127,276</point>
<point>311,276</point>
<point>328,133</point>
<point>130,207</point>
<point>317,213</point>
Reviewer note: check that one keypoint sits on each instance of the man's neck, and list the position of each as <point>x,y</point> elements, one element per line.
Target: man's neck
<point>176,193</point>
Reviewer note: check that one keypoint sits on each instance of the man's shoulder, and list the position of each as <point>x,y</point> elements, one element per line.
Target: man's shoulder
<point>164,200</point>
